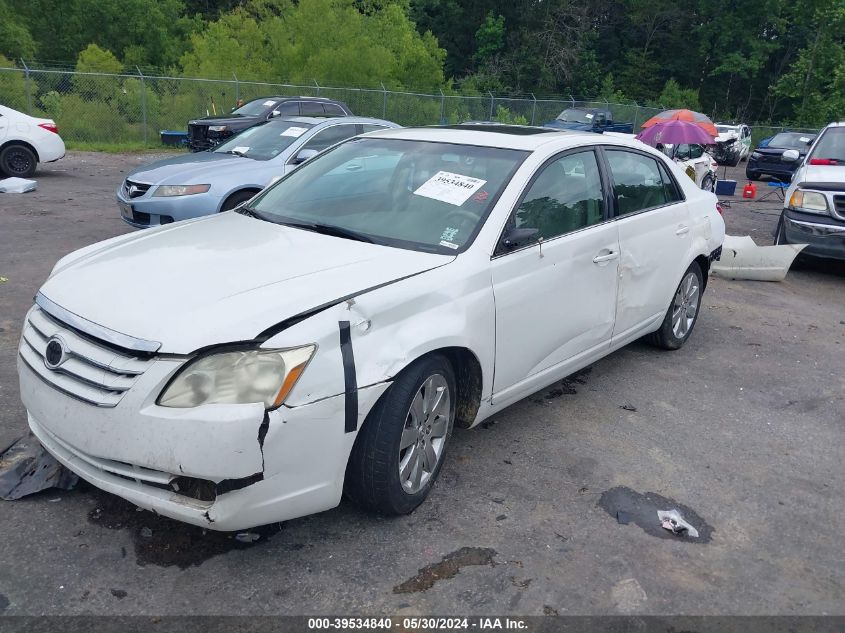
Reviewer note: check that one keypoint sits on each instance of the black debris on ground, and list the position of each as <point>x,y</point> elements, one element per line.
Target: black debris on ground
<point>641,509</point>
<point>26,468</point>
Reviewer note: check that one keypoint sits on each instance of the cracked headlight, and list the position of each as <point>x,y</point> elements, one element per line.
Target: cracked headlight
<point>238,377</point>
<point>167,191</point>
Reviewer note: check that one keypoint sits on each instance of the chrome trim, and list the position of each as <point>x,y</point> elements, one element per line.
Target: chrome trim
<point>830,228</point>
<point>98,331</point>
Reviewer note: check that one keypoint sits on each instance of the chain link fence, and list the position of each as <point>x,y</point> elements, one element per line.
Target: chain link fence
<point>131,109</point>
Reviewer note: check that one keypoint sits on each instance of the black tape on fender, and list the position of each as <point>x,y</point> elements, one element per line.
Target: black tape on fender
<point>350,380</point>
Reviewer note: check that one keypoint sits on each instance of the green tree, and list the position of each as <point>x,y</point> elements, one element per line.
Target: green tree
<point>674,97</point>
<point>490,37</point>
<point>15,39</point>
<point>327,40</point>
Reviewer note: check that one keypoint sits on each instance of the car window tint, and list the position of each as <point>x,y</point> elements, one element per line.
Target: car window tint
<point>369,127</point>
<point>333,110</point>
<point>565,197</point>
<point>331,135</point>
<point>637,182</point>
<point>288,108</point>
<point>311,108</point>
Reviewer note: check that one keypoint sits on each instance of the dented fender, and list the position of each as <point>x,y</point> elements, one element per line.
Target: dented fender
<point>392,326</point>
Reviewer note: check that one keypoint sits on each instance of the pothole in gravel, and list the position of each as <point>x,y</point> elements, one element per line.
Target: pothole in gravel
<point>447,568</point>
<point>165,542</point>
<point>641,509</point>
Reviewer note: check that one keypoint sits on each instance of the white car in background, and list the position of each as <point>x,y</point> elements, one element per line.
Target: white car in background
<point>26,141</point>
<point>733,144</point>
<point>326,337</point>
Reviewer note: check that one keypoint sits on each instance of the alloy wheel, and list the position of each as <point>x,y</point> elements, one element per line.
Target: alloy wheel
<point>424,434</point>
<point>685,305</point>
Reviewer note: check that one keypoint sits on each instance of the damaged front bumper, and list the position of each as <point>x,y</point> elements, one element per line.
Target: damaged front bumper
<point>222,467</point>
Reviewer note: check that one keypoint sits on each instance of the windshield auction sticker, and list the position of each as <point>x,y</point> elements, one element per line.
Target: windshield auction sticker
<point>295,132</point>
<point>450,188</point>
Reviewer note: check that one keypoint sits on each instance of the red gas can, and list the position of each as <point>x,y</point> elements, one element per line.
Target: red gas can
<point>749,191</point>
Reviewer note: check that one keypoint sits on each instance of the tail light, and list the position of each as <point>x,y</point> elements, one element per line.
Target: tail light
<point>823,161</point>
<point>719,208</point>
<point>50,127</point>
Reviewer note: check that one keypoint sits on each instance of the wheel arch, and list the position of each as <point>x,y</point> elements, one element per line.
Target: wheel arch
<point>17,141</point>
<point>254,189</point>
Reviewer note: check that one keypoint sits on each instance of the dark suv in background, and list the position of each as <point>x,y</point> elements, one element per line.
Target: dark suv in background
<point>208,131</point>
<point>768,160</point>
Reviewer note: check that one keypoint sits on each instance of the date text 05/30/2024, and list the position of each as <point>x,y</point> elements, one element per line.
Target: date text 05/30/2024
<point>419,623</point>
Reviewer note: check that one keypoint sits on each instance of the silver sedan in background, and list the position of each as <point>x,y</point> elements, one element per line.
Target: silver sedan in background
<point>204,183</point>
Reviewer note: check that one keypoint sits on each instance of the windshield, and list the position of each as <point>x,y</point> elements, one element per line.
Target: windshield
<point>830,147</point>
<point>419,195</point>
<point>791,141</point>
<point>722,129</point>
<point>254,108</point>
<point>574,115</point>
<point>264,142</point>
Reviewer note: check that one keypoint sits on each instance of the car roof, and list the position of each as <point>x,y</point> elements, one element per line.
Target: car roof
<point>505,136</point>
<point>317,120</point>
<point>297,98</point>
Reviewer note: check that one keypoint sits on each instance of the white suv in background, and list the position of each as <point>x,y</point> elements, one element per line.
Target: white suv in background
<point>26,141</point>
<point>814,207</point>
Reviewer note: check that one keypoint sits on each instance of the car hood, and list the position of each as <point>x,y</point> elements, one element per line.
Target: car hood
<point>223,119</point>
<point>221,279</point>
<point>188,169</point>
<point>822,173</point>
<point>727,137</point>
<point>776,151</point>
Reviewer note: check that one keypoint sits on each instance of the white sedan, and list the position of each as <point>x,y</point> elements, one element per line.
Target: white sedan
<point>326,337</point>
<point>26,141</point>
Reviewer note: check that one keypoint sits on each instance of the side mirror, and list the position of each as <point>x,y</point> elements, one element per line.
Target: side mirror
<point>514,237</point>
<point>274,114</point>
<point>305,154</point>
<point>790,155</point>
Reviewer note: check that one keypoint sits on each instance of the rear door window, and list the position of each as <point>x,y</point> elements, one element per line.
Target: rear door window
<point>311,108</point>
<point>637,182</point>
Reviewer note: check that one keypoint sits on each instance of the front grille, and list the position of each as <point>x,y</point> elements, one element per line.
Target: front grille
<point>134,189</point>
<point>769,158</point>
<point>839,205</point>
<point>197,131</point>
<point>91,371</point>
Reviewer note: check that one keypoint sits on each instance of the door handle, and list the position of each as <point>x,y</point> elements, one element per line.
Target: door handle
<point>606,257</point>
<point>683,229</point>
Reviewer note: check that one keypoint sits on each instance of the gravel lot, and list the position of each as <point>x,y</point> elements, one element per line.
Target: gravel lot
<point>743,428</point>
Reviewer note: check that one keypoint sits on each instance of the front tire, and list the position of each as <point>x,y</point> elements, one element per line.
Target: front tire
<point>683,311</point>
<point>400,448</point>
<point>752,175</point>
<point>780,233</point>
<point>18,161</point>
<point>239,197</point>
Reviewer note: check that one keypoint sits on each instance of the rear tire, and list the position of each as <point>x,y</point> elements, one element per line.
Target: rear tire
<point>18,161</point>
<point>708,183</point>
<point>401,446</point>
<point>683,311</point>
<point>235,199</point>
